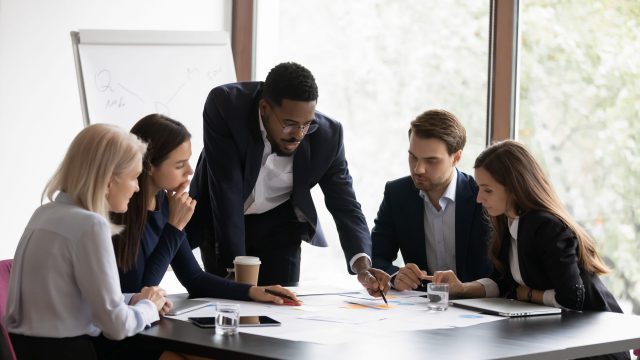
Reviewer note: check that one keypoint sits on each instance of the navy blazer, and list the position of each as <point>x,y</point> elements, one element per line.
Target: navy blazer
<point>228,168</point>
<point>548,259</point>
<point>400,226</point>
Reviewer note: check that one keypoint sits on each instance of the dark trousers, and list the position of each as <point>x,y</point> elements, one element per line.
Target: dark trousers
<point>81,347</point>
<point>275,237</point>
<point>35,348</point>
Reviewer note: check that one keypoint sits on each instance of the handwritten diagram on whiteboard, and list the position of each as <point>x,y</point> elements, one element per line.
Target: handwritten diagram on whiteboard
<point>123,82</point>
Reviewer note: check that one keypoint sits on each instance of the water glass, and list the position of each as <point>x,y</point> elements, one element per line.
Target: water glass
<point>438,295</point>
<point>227,318</point>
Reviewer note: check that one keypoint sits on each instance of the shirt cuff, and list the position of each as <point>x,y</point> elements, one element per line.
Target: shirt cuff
<point>490,287</point>
<point>127,298</point>
<point>356,257</point>
<point>393,279</point>
<point>147,311</point>
<point>549,298</point>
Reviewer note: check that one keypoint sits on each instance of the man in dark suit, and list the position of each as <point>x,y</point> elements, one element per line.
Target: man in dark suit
<point>432,216</point>
<point>265,147</point>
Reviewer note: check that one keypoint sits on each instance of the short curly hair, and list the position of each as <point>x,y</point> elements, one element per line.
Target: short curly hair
<point>289,81</point>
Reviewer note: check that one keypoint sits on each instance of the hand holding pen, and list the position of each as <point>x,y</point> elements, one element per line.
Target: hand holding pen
<point>275,294</point>
<point>287,296</point>
<point>409,277</point>
<point>375,281</point>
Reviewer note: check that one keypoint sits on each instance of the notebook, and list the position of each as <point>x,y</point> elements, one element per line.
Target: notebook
<point>505,307</point>
<point>182,305</point>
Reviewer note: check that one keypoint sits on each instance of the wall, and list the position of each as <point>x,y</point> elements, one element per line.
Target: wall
<point>39,101</point>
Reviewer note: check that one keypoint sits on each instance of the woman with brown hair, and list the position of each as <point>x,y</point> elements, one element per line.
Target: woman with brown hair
<point>540,254</point>
<point>154,235</point>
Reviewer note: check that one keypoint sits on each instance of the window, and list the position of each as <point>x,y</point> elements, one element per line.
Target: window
<point>579,113</point>
<point>378,65</point>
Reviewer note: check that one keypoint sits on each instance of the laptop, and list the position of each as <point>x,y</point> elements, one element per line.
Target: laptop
<point>505,307</point>
<point>182,305</point>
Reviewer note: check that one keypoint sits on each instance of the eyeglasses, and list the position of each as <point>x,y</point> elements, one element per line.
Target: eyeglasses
<point>292,127</point>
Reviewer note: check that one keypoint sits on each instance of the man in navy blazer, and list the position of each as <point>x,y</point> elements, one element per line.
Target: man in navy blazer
<point>265,147</point>
<point>432,216</point>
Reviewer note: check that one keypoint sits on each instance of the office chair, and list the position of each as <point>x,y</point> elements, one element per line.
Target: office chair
<point>6,349</point>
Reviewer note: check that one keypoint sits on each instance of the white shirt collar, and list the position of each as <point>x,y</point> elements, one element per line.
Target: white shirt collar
<point>513,228</point>
<point>263,131</point>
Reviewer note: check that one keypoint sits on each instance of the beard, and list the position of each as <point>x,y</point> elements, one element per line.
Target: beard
<point>428,185</point>
<point>275,147</point>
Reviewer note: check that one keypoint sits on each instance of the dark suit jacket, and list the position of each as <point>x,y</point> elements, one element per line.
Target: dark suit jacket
<point>548,259</point>
<point>229,165</point>
<point>400,225</point>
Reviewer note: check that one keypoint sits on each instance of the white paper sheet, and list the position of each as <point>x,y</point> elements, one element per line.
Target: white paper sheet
<point>334,319</point>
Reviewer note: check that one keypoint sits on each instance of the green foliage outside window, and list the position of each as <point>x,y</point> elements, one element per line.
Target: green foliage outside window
<point>579,112</point>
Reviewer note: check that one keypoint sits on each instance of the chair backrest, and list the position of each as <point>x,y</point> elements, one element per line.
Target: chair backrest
<point>6,350</point>
<point>5,271</point>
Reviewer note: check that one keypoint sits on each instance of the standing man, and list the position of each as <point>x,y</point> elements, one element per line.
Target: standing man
<point>432,216</point>
<point>265,147</point>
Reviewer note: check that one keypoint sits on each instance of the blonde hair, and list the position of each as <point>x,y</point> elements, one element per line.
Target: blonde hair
<point>511,165</point>
<point>97,153</point>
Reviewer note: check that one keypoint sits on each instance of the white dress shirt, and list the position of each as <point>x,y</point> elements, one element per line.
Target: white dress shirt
<point>275,180</point>
<point>64,280</point>
<point>275,183</point>
<point>440,229</point>
<point>491,288</point>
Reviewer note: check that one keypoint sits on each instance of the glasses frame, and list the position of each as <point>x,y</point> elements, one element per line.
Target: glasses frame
<point>290,129</point>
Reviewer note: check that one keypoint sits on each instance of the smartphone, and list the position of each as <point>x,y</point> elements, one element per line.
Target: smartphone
<point>246,321</point>
<point>204,322</point>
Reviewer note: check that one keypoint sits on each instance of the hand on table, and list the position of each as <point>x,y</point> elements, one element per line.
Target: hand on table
<point>154,293</point>
<point>257,293</point>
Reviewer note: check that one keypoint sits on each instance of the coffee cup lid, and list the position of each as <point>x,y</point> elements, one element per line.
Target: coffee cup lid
<point>247,260</point>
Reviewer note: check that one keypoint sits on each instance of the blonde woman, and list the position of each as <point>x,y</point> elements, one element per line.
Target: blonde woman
<point>64,288</point>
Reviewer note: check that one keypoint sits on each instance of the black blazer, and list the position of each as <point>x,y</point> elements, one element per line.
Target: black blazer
<point>228,168</point>
<point>400,226</point>
<point>548,259</point>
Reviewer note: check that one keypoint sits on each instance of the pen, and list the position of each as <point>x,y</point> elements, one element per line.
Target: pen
<point>384,298</point>
<point>279,294</point>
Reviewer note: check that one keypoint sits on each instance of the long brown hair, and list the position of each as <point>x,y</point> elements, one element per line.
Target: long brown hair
<point>511,165</point>
<point>163,135</point>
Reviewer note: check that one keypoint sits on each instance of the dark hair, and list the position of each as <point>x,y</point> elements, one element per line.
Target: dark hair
<point>512,166</point>
<point>441,125</point>
<point>163,135</point>
<point>289,81</point>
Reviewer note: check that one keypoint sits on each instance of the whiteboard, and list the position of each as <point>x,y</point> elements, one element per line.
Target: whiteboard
<point>124,75</point>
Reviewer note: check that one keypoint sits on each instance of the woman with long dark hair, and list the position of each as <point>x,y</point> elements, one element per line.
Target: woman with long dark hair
<point>540,254</point>
<point>154,236</point>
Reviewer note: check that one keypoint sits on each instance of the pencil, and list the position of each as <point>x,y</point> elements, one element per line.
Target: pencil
<point>384,298</point>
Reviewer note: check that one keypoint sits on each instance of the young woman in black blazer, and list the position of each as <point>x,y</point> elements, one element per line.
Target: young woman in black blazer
<point>540,254</point>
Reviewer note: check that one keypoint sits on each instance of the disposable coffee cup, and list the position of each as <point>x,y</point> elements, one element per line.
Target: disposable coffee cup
<point>247,269</point>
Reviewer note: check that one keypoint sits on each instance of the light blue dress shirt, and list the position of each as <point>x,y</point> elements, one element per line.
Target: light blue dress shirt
<point>440,229</point>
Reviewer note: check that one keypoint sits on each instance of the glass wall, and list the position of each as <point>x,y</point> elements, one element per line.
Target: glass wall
<point>579,112</point>
<point>378,65</point>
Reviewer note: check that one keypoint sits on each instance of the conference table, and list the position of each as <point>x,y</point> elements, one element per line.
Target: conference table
<point>563,336</point>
